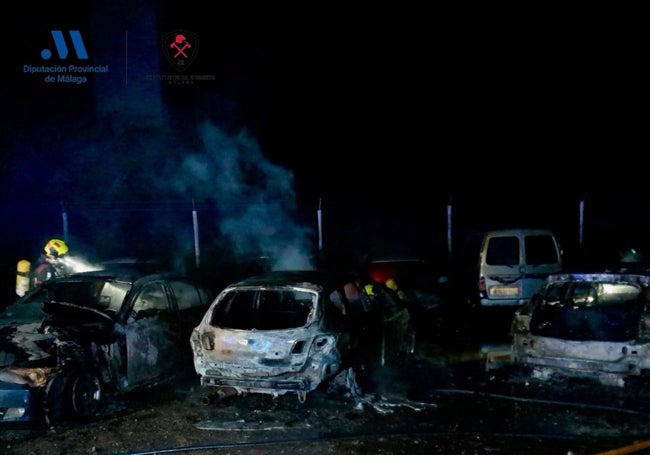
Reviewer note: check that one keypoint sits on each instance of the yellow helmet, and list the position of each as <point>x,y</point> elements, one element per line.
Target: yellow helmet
<point>391,284</point>
<point>55,248</point>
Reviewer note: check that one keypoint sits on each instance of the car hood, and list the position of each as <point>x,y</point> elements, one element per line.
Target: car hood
<point>24,344</point>
<point>35,343</point>
<point>17,313</point>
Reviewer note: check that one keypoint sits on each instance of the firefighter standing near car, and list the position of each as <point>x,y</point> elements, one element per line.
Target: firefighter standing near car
<point>400,317</point>
<point>397,305</point>
<point>400,294</point>
<point>50,264</point>
<point>363,313</point>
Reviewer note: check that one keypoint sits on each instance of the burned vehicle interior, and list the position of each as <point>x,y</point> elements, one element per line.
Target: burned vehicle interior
<point>76,298</point>
<point>264,310</point>
<point>604,310</point>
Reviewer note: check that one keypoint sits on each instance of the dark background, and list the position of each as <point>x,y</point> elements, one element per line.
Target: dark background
<point>383,115</point>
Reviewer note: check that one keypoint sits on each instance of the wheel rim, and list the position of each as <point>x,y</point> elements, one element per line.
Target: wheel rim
<point>85,394</point>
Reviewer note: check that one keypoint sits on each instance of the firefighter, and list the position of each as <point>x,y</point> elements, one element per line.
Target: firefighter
<point>50,263</point>
<point>399,318</point>
<point>363,309</point>
<point>401,295</point>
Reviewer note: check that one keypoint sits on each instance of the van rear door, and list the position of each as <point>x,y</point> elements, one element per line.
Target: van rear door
<point>514,265</point>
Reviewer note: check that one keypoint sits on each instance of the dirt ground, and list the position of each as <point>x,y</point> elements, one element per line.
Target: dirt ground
<point>424,405</point>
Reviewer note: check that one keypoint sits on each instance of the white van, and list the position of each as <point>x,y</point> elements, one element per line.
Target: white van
<point>514,265</point>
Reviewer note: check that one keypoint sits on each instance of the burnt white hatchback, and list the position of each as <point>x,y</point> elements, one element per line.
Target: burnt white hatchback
<point>279,332</point>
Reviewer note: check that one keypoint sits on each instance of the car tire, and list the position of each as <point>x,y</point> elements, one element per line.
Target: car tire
<point>54,405</point>
<point>84,394</point>
<point>73,396</point>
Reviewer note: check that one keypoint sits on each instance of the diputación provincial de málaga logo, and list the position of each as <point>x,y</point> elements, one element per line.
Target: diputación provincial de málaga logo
<point>71,73</point>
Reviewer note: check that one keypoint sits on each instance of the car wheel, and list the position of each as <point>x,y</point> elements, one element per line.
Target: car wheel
<point>85,394</point>
<point>54,405</point>
<point>72,396</point>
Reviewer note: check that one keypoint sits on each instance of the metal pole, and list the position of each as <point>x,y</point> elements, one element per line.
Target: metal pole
<point>449,227</point>
<point>64,218</point>
<point>195,222</point>
<point>582,220</point>
<point>320,226</point>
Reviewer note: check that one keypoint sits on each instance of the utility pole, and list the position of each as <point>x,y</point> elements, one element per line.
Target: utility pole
<point>64,218</point>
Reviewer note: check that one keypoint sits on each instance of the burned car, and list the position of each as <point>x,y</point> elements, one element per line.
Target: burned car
<point>73,340</point>
<point>590,326</point>
<point>423,287</point>
<point>288,331</point>
<point>420,281</point>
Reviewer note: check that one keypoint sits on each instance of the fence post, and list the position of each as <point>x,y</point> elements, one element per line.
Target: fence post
<point>195,222</point>
<point>320,225</point>
<point>581,222</point>
<point>64,218</point>
<point>449,227</point>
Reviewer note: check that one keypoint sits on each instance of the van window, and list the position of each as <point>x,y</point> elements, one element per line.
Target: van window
<point>503,251</point>
<point>540,249</point>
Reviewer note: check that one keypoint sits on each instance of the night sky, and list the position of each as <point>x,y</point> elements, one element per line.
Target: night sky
<point>384,112</point>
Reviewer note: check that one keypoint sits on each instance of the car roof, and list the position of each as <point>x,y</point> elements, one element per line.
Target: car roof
<point>299,278</point>
<point>518,231</point>
<point>126,274</point>
<point>395,259</point>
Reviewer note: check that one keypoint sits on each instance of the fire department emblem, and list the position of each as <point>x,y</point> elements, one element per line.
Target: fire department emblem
<point>180,47</point>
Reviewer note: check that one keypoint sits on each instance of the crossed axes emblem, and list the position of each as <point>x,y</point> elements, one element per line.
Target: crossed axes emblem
<point>180,44</point>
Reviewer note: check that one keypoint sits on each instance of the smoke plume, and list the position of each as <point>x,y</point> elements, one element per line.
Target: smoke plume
<point>254,198</point>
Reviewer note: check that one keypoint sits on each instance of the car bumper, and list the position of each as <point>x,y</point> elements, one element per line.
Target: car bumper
<point>260,385</point>
<point>492,302</point>
<point>16,403</point>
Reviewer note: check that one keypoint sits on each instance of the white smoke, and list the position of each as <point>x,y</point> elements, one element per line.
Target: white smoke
<point>255,198</point>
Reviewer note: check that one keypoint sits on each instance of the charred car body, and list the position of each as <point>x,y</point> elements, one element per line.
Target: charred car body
<point>592,326</point>
<point>71,340</point>
<point>286,331</point>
